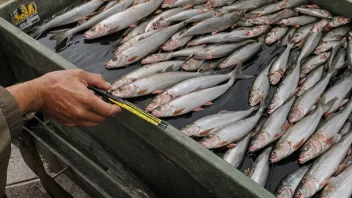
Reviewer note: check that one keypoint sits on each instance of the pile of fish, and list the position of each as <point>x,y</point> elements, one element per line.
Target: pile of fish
<point>192,52</point>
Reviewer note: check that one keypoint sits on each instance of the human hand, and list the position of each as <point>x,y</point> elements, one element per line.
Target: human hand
<point>64,96</point>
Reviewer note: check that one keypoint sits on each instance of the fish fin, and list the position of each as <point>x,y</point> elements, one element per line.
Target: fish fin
<point>302,81</point>
<point>169,68</point>
<point>333,139</point>
<point>299,45</point>
<point>113,30</point>
<point>206,132</point>
<point>299,144</point>
<point>329,104</point>
<point>37,32</point>
<point>246,172</point>
<point>132,59</point>
<point>208,104</point>
<point>187,7</point>
<point>178,111</point>
<point>142,91</point>
<point>323,183</point>
<point>343,103</point>
<point>341,167</point>
<point>239,73</point>
<point>198,109</point>
<point>60,36</point>
<point>231,146</point>
<point>158,11</point>
<point>311,109</point>
<point>286,125</point>
<point>294,92</point>
<point>133,25</point>
<point>158,91</point>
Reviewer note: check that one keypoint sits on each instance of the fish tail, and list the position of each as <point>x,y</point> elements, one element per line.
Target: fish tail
<point>328,104</point>
<point>263,104</point>
<point>60,36</point>
<point>37,32</point>
<point>237,72</point>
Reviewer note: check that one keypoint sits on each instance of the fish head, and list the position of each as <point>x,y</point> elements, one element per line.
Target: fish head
<point>163,111</point>
<point>96,31</point>
<point>342,20</point>
<point>284,192</point>
<point>212,141</point>
<point>271,38</point>
<point>301,90</point>
<point>121,82</point>
<point>296,114</point>
<point>118,60</point>
<point>258,141</point>
<point>154,58</point>
<point>276,102</point>
<point>191,64</point>
<point>157,101</point>
<point>171,45</point>
<point>321,48</point>
<point>309,150</point>
<point>191,129</point>
<point>126,91</point>
<point>255,97</point>
<point>296,37</point>
<point>160,24</point>
<point>327,13</point>
<point>306,188</point>
<point>275,77</point>
<point>280,151</point>
<point>319,26</point>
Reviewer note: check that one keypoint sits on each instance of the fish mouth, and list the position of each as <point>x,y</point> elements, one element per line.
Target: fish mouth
<point>253,148</point>
<point>87,36</point>
<point>211,142</point>
<point>302,159</point>
<point>110,64</point>
<point>273,158</point>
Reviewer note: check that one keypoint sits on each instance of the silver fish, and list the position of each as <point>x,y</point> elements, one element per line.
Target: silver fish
<point>325,136</point>
<point>298,134</point>
<point>195,100</point>
<point>235,156</point>
<point>219,51</point>
<point>346,128</point>
<point>71,16</point>
<point>218,3</point>
<point>145,71</point>
<point>273,18</point>
<point>327,45</point>
<point>298,21</point>
<point>275,34</point>
<point>140,29</point>
<point>149,44</point>
<point>109,5</point>
<point>258,126</point>
<point>184,15</point>
<point>164,14</point>
<point>132,41</point>
<point>186,3</point>
<point>251,33</point>
<point>217,23</point>
<point>340,90</point>
<point>310,80</point>
<point>242,54</point>
<point>286,89</point>
<point>301,33</point>
<point>232,132</point>
<point>211,64</point>
<point>217,38</point>
<point>316,12</point>
<point>176,42</point>
<point>336,22</point>
<point>313,62</point>
<point>275,7</point>
<point>288,185</point>
<point>200,17</point>
<point>122,19</point>
<point>206,125</point>
<point>62,35</point>
<point>260,87</point>
<point>279,66</point>
<point>323,168</point>
<point>244,23</point>
<point>167,56</point>
<point>260,169</point>
<point>349,50</point>
<point>287,38</point>
<point>273,128</point>
<point>339,186</point>
<point>336,34</point>
<point>192,64</point>
<point>155,84</point>
<point>246,4</point>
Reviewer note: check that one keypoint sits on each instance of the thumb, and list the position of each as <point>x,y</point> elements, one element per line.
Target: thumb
<point>96,80</point>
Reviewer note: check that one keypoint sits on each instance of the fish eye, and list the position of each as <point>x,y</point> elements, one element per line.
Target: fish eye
<point>274,153</point>
<point>299,193</point>
<point>93,29</point>
<point>158,108</point>
<point>114,58</point>
<point>120,89</point>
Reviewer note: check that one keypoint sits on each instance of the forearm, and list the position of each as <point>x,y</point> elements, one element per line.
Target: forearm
<point>28,95</point>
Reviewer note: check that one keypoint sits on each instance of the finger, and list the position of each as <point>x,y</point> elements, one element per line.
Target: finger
<point>95,80</point>
<point>88,124</point>
<point>103,108</point>
<point>91,116</point>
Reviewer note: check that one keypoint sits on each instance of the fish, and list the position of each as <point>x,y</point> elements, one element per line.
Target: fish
<point>287,38</point>
<point>251,33</point>
<point>325,136</point>
<point>346,128</point>
<point>235,156</point>
<point>186,3</point>
<point>298,20</point>
<point>200,17</point>
<point>260,169</point>
<point>279,66</point>
<point>345,163</point>
<point>244,23</point>
<point>313,62</point>
<point>275,34</point>
<point>176,42</point>
<point>258,126</point>
<point>273,128</point>
<point>192,64</point>
<point>273,18</point>
<point>339,186</point>
<point>132,41</point>
<point>69,17</point>
<point>218,50</point>
<point>242,54</point>
<point>261,86</point>
<point>339,60</point>
<point>149,44</point>
<point>232,132</point>
<point>220,21</point>
<point>185,15</point>
<point>310,80</point>
<point>305,102</point>
<point>298,134</point>
<point>195,100</point>
<point>206,125</point>
<point>218,3</point>
<point>336,33</point>
<point>246,4</point>
<point>165,14</point>
<point>288,185</point>
<point>211,64</point>
<point>216,38</point>
<point>140,29</point>
<point>327,45</point>
<point>122,19</point>
<point>349,50</point>
<point>301,33</point>
<point>153,84</point>
<point>60,36</point>
<point>145,71</point>
<point>336,21</point>
<point>340,90</point>
<point>323,168</point>
<point>316,12</point>
<point>275,7</point>
<point>167,56</point>
<point>109,5</point>
<point>286,89</point>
